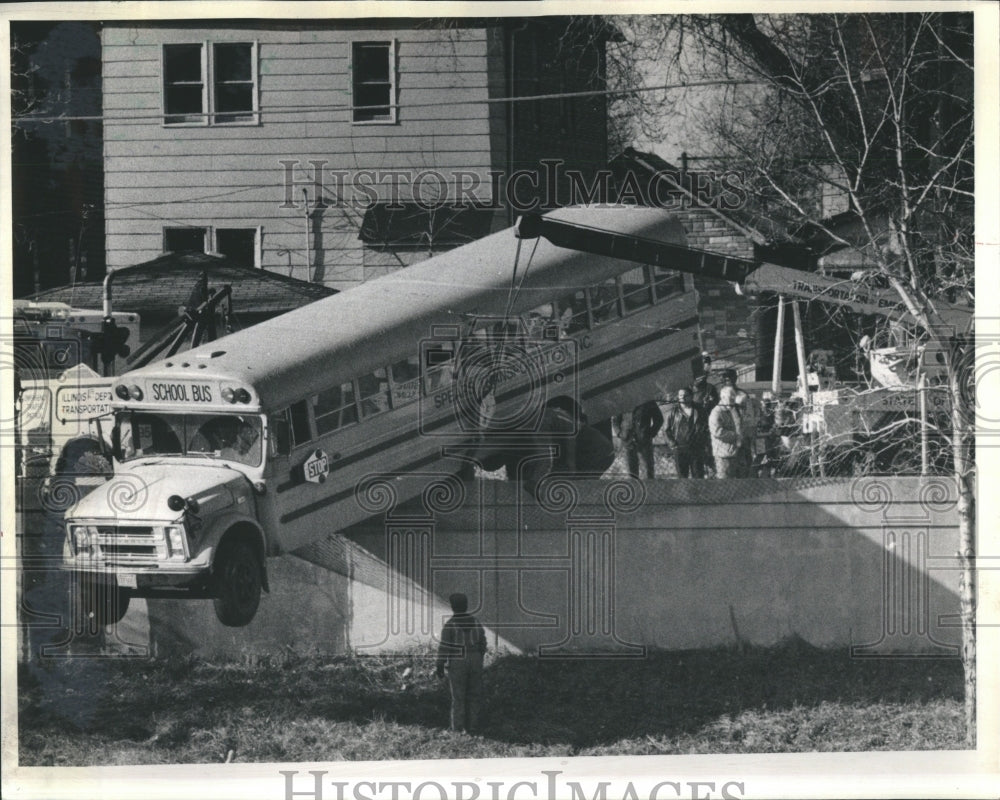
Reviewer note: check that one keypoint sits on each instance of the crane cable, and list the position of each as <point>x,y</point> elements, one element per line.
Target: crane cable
<point>512,295</point>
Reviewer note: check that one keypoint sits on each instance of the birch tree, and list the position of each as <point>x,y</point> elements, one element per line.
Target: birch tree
<point>875,109</point>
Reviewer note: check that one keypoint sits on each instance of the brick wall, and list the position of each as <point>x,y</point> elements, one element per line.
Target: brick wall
<point>727,322</point>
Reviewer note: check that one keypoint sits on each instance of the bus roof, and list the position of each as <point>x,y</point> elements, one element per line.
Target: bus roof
<point>382,321</point>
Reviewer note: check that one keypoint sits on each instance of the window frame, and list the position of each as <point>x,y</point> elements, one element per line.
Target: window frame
<point>306,407</point>
<point>257,236</point>
<point>393,58</point>
<point>206,236</point>
<point>199,120</point>
<point>319,427</point>
<point>254,111</point>
<point>208,94</point>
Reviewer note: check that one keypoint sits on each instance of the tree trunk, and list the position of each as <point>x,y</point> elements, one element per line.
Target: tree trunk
<point>963,428</point>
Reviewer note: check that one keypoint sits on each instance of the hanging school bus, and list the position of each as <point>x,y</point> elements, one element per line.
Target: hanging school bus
<point>254,445</point>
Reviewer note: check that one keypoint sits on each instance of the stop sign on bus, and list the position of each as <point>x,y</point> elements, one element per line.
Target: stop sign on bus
<point>316,467</point>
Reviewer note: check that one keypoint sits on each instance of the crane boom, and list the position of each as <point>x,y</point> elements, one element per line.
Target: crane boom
<point>752,277</point>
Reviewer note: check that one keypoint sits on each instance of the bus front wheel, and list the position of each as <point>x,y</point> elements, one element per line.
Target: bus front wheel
<point>238,583</point>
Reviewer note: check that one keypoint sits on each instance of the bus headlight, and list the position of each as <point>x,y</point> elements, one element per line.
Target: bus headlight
<point>175,540</point>
<point>83,538</point>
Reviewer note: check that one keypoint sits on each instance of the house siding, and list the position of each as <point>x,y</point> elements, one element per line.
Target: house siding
<point>233,176</point>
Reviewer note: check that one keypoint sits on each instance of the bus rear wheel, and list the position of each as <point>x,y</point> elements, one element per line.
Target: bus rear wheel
<point>237,584</point>
<point>100,601</point>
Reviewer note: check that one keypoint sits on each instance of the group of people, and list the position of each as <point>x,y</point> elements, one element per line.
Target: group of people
<point>709,430</point>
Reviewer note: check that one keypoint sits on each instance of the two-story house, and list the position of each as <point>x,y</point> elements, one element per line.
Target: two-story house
<point>333,150</point>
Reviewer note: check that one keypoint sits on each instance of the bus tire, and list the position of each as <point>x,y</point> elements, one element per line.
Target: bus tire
<point>238,583</point>
<point>100,601</point>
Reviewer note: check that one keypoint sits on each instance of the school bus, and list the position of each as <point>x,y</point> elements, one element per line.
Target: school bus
<point>256,444</point>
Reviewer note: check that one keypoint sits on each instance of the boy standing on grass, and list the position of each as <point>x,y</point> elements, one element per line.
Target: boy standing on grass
<point>463,643</point>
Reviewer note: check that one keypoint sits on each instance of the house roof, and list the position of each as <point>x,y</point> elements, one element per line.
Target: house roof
<point>754,223</point>
<point>168,282</point>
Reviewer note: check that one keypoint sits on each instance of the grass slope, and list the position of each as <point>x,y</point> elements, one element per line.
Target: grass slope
<point>791,698</point>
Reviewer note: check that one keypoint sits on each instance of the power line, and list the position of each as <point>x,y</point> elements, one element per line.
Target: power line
<point>137,119</point>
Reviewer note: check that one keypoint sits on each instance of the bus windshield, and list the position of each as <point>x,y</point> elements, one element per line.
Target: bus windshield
<point>140,434</point>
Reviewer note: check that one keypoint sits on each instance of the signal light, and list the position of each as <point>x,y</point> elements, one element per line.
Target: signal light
<point>122,391</point>
<point>135,392</point>
<point>239,395</point>
<point>175,540</point>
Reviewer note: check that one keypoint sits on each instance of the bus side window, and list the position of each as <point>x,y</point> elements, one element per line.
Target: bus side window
<point>405,381</point>
<point>636,289</point>
<point>573,312</point>
<point>299,414</point>
<point>279,439</point>
<point>439,365</point>
<point>667,282</point>
<point>373,389</point>
<point>542,323</point>
<point>604,301</point>
<point>335,408</point>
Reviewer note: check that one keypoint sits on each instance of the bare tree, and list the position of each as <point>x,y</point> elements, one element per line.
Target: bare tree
<point>876,110</point>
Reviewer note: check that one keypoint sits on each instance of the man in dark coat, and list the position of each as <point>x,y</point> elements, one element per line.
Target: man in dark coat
<point>637,429</point>
<point>687,432</point>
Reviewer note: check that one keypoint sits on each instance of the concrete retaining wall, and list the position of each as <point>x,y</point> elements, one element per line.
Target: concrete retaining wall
<point>608,567</point>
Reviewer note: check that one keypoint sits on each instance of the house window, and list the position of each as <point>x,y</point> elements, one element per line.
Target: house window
<point>234,83</point>
<point>218,90</point>
<point>179,240</point>
<point>373,81</point>
<point>183,83</point>
<point>239,244</point>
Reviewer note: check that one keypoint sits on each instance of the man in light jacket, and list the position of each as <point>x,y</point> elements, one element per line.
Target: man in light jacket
<point>727,436</point>
<point>750,414</point>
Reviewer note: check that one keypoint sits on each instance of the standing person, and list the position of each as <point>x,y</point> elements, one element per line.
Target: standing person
<point>687,432</point>
<point>637,429</point>
<point>460,657</point>
<point>727,435</point>
<point>749,419</point>
<point>705,395</point>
